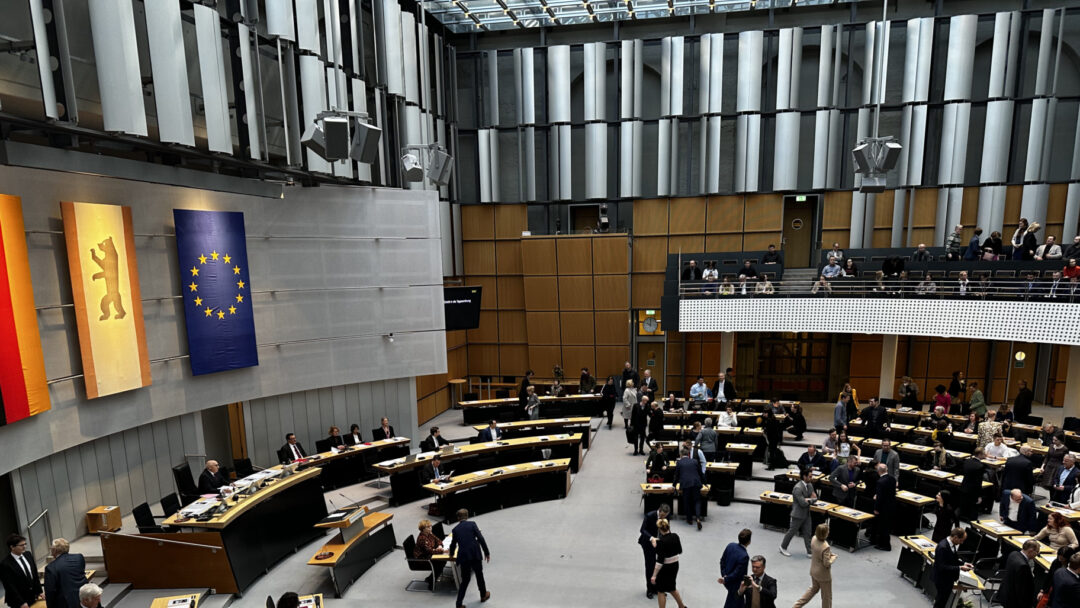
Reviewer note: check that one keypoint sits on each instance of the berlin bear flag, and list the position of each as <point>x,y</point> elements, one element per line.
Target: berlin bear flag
<point>215,282</point>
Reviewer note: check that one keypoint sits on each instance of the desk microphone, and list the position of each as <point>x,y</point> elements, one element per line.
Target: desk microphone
<point>257,467</point>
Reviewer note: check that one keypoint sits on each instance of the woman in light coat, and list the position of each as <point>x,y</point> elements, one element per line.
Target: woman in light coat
<point>532,403</point>
<point>820,569</point>
<point>629,400</point>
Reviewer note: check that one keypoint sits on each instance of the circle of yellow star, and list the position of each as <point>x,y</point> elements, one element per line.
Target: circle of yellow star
<point>232,310</point>
<point>208,311</point>
<point>214,255</point>
<point>239,298</point>
<point>198,302</point>
<point>236,270</point>
<point>194,271</point>
<point>202,259</point>
<point>240,284</point>
<point>193,286</point>
<point>226,259</point>
<point>221,314</point>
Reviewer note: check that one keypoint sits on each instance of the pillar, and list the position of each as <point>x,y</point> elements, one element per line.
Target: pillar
<point>1072,384</point>
<point>888,366</point>
<point>727,350</point>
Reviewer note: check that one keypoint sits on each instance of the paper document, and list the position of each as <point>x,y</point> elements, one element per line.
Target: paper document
<point>199,507</point>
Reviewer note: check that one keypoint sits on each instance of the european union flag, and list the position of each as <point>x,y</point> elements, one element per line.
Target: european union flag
<point>212,250</point>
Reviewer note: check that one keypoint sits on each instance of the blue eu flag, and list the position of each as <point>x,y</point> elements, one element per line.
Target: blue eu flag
<point>216,289</point>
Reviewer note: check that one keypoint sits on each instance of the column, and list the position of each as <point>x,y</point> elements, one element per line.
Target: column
<point>1072,384</point>
<point>888,366</point>
<point>727,350</point>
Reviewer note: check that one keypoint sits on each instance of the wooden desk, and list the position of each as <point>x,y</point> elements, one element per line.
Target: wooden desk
<point>846,523</point>
<point>177,601</point>
<point>544,426</point>
<point>311,601</point>
<point>405,472</point>
<point>654,494</point>
<point>351,557</point>
<point>103,519</point>
<point>475,412</point>
<point>775,510</point>
<point>907,519</point>
<point>916,555</point>
<point>501,487</point>
<point>743,455</point>
<point>1069,514</point>
<point>350,465</point>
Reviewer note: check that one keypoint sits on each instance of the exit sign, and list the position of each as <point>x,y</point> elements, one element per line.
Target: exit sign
<point>800,198</point>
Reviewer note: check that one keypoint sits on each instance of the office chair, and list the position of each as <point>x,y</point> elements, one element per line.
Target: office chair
<point>418,565</point>
<point>185,483</point>
<point>170,504</point>
<point>243,467</point>
<point>145,520</point>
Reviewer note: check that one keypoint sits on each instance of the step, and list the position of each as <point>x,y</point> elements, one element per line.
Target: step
<point>114,593</point>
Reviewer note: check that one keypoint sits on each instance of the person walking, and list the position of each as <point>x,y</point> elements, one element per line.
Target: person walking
<point>647,535</point>
<point>820,569</point>
<point>469,542</point>
<point>666,571</point>
<point>688,483</point>
<point>733,565</point>
<point>801,498</point>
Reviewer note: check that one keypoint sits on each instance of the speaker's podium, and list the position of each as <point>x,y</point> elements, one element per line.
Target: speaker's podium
<point>361,538</point>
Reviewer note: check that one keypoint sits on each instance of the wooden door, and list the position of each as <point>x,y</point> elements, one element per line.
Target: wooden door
<point>798,231</point>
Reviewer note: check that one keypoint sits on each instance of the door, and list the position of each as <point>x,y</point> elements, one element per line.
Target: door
<point>650,356</point>
<point>798,232</point>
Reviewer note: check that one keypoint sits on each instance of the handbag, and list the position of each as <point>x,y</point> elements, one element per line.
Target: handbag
<point>655,479</point>
<point>630,435</point>
<point>1044,601</point>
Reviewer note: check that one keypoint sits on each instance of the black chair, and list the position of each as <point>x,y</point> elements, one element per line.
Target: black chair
<point>322,445</point>
<point>270,602</point>
<point>170,504</point>
<point>243,467</point>
<point>470,397</point>
<point>418,565</point>
<point>1071,423</point>
<point>510,379</point>
<point>145,520</point>
<point>438,530</point>
<point>502,393</point>
<point>185,483</point>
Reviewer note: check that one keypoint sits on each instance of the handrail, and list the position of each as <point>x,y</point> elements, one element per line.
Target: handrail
<point>48,528</point>
<point>160,540</point>
<point>37,519</point>
<point>1014,289</point>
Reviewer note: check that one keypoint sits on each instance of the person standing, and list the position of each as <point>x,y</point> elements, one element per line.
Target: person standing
<point>1066,585</point>
<point>759,589</point>
<point>971,486</point>
<point>629,400</point>
<point>1022,404</point>
<point>820,569</point>
<point>845,482</point>
<point>647,535</point>
<point>526,382</point>
<point>64,576</point>
<point>801,498</point>
<point>733,565</point>
<point>884,501</point>
<point>532,403</point>
<point>469,542</point>
<point>666,571</point>
<point>1018,584</point>
<point>639,426</point>
<point>688,483</point>
<point>947,566</point>
<point>909,394</point>
<point>18,572</point>
<point>608,396</point>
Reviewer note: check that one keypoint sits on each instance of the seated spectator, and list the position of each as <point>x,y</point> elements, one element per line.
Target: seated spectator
<point>938,459</point>
<point>811,459</point>
<point>764,286</point>
<point>974,251</point>
<point>921,254</point>
<point>998,449</point>
<point>994,243</point>
<point>1071,269</point>
<point>938,415</point>
<point>748,270</point>
<point>971,425</point>
<point>850,270</point>
<point>1029,287</point>
<point>1055,288</point>
<point>1058,532</point>
<point>829,446</point>
<point>831,271</point>
<point>952,244</point>
<point>927,287</point>
<point>963,285</point>
<point>710,273</point>
<point>836,252</point>
<point>726,288</point>
<point>727,418</point>
<point>556,389</point>
<point>942,398</point>
<point>1073,250</point>
<point>671,404</point>
<point>983,289</point>
<point>691,272</point>
<point>1049,250</point>
<point>892,266</point>
<point>879,282</point>
<point>742,285</point>
<point>900,285</point>
<point>772,256</point>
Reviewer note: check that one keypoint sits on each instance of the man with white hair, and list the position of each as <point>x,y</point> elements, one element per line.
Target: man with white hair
<point>64,576</point>
<point>211,479</point>
<point>90,596</point>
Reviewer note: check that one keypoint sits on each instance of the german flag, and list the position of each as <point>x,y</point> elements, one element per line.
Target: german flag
<point>22,366</point>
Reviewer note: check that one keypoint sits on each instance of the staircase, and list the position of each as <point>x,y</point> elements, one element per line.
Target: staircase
<point>797,282</point>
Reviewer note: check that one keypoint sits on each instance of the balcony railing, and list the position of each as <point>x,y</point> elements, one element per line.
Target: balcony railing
<point>1009,290</point>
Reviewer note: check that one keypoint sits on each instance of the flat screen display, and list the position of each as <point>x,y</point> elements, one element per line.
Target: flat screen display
<point>462,306</point>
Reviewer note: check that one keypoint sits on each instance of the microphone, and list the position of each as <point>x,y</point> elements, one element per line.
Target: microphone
<point>257,467</point>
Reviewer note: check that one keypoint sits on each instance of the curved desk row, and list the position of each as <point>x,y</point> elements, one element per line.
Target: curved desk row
<point>504,486</point>
<point>844,522</point>
<point>544,426</point>
<point>352,464</point>
<point>355,546</point>
<point>509,409</point>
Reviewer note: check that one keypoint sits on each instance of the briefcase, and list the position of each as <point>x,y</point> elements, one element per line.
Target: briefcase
<point>630,435</point>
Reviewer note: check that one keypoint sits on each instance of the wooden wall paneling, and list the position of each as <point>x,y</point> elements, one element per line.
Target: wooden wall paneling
<point>610,360</point>
<point>610,254</point>
<point>836,212</point>
<point>543,358</point>
<point>542,327</point>
<point>920,353</point>
<point>718,243</point>
<point>1059,372</point>
<point>922,235</point>
<point>686,215</point>
<point>710,361</point>
<point>828,237</point>
<point>1014,196</point>
<point>488,295</point>
<point>650,254</point>
<point>925,211</point>
<point>1055,207</point>
<point>760,241</point>
<point>477,222</point>
<point>724,215</point>
<point>513,359</point>
<point>538,255</point>
<point>687,244</point>
<point>479,257</point>
<point>541,293</point>
<point>611,292</point>
<point>488,331</point>
<point>457,362</point>
<point>510,221</point>
<point>425,409</point>
<point>947,356</point>
<point>651,216</point>
<point>574,254</point>
<point>576,357</point>
<point>612,327</point>
<point>576,328</point>
<point>883,208</point>
<point>648,289</point>
<point>508,257</point>
<point>969,211</point>
<point>576,293</point>
<point>455,339</point>
<point>483,359</point>
<point>511,292</point>
<point>512,326</point>
<point>764,212</point>
<point>882,238</point>
<point>865,358</point>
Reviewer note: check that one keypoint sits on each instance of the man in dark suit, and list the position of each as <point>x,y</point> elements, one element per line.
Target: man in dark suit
<point>648,386</point>
<point>875,419</point>
<point>1017,511</point>
<point>645,537</point>
<point>723,389</point>
<point>432,471</point>
<point>884,501</point>
<point>1066,589</point>
<point>211,479</point>
<point>385,431</point>
<point>433,441</point>
<point>688,483</point>
<point>354,437</point>
<point>1019,472</point>
<point>1065,480</point>
<point>491,433</point>
<point>628,373</point>
<point>523,392</point>
<point>1022,404</point>
<point>291,451</point>
<point>760,585</point>
<point>18,572</point>
<point>973,471</point>
<point>64,576</point>
<point>812,459</point>
<point>947,566</point>
<point>468,541</point>
<point>733,565</point>
<point>845,482</point>
<point>1018,584</point>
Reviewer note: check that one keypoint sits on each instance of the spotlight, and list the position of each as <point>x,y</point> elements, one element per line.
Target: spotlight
<point>873,158</point>
<point>440,167</point>
<point>328,137</point>
<point>364,147</point>
<point>411,168</point>
<point>603,224</point>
